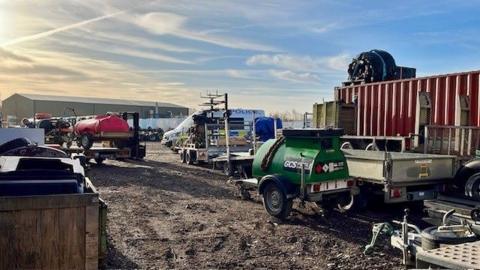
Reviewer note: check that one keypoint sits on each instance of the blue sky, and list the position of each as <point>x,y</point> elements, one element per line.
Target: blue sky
<point>274,55</point>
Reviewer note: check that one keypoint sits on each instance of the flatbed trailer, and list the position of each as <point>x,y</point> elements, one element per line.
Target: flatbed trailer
<point>100,153</point>
<point>400,177</point>
<point>191,154</point>
<point>240,163</point>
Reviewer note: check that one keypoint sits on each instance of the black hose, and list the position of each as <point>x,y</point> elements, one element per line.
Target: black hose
<point>268,158</point>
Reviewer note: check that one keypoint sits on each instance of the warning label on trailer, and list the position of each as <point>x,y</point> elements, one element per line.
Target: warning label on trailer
<point>330,167</point>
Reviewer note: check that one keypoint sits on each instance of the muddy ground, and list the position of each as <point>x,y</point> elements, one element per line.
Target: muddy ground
<point>165,214</point>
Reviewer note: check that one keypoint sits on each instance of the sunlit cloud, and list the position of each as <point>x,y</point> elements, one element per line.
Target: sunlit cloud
<point>162,23</point>
<point>59,29</point>
<point>300,62</point>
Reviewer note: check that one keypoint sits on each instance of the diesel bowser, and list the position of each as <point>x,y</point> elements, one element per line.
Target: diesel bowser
<point>302,163</point>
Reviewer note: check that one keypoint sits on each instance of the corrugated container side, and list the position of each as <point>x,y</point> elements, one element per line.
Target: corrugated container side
<point>389,108</point>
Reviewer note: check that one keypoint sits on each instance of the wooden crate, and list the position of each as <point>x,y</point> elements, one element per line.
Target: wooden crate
<point>49,232</point>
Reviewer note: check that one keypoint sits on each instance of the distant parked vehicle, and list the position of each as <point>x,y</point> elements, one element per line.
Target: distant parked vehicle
<point>151,135</point>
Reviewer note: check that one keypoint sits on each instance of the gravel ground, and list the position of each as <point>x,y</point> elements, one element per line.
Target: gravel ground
<point>165,214</point>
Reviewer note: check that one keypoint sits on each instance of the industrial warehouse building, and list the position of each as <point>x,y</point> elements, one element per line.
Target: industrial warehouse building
<point>19,106</point>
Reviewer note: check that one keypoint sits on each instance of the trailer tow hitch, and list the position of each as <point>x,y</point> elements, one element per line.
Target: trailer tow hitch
<point>401,239</point>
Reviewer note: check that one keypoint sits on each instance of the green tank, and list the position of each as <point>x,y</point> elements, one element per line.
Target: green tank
<point>317,149</point>
<point>306,164</point>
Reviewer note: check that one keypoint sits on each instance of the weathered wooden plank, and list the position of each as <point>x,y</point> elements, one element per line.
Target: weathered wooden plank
<point>50,244</point>
<point>91,237</point>
<point>72,238</point>
<point>7,228</point>
<point>47,201</point>
<point>26,240</point>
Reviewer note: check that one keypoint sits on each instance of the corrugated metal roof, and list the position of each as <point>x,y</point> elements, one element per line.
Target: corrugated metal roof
<point>91,100</point>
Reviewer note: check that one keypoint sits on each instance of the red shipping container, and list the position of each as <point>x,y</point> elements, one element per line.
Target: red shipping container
<point>392,108</point>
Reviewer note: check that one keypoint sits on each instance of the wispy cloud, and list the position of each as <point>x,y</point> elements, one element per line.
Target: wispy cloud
<point>300,62</point>
<point>128,39</point>
<point>162,23</point>
<point>147,55</point>
<point>324,28</point>
<point>128,51</point>
<point>59,29</point>
<point>302,77</point>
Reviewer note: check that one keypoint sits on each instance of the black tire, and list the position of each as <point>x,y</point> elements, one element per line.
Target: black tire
<point>275,201</point>
<point>86,141</point>
<point>182,156</point>
<point>99,161</point>
<point>189,157</point>
<point>472,187</point>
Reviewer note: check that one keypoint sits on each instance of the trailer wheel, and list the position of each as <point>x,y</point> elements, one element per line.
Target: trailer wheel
<point>86,141</point>
<point>472,187</point>
<point>183,156</point>
<point>189,157</point>
<point>99,160</point>
<point>276,202</point>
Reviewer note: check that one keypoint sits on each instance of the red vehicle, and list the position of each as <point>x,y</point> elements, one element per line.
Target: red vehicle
<point>102,127</point>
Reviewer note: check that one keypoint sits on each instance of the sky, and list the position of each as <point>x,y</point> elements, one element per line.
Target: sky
<point>272,55</point>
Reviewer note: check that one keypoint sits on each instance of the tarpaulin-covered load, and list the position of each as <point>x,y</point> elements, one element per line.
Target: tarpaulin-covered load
<point>102,123</point>
<point>265,129</point>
